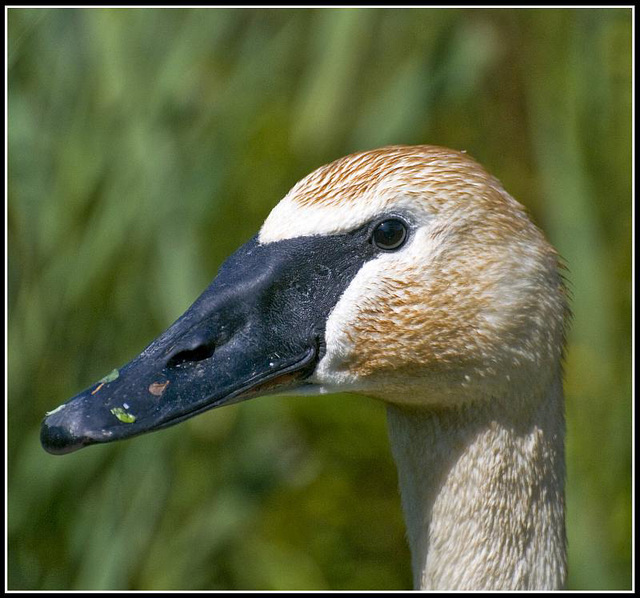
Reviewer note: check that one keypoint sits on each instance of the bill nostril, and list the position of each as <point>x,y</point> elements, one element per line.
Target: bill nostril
<point>198,353</point>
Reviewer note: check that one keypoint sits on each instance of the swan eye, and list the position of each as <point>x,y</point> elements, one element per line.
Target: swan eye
<point>390,234</point>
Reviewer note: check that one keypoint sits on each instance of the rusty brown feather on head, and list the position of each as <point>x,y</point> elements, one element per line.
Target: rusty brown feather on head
<point>423,179</point>
<point>411,167</point>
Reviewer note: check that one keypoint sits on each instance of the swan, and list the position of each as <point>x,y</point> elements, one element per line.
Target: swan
<point>407,274</point>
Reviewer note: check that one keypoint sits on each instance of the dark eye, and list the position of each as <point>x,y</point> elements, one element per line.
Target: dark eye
<point>390,234</point>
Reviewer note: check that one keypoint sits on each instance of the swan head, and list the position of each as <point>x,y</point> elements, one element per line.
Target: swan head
<point>472,304</point>
<point>405,273</point>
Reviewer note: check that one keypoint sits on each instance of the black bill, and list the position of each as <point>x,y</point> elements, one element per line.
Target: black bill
<point>257,329</point>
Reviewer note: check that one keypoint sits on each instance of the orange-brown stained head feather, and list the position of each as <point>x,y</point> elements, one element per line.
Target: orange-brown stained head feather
<point>410,168</point>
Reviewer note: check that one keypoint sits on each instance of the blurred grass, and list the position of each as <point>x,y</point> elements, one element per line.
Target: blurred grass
<point>146,144</point>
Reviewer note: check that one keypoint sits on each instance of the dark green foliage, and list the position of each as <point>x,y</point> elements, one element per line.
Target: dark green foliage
<point>146,145</point>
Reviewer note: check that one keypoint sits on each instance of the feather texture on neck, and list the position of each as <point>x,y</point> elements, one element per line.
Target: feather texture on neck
<point>483,492</point>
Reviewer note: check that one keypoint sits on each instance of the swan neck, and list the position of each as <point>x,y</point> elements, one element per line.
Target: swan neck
<point>483,492</point>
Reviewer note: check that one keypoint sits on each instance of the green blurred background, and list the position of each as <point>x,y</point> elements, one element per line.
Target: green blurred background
<point>146,144</point>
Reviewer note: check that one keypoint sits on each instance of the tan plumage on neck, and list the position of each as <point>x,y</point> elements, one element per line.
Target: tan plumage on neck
<point>483,492</point>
